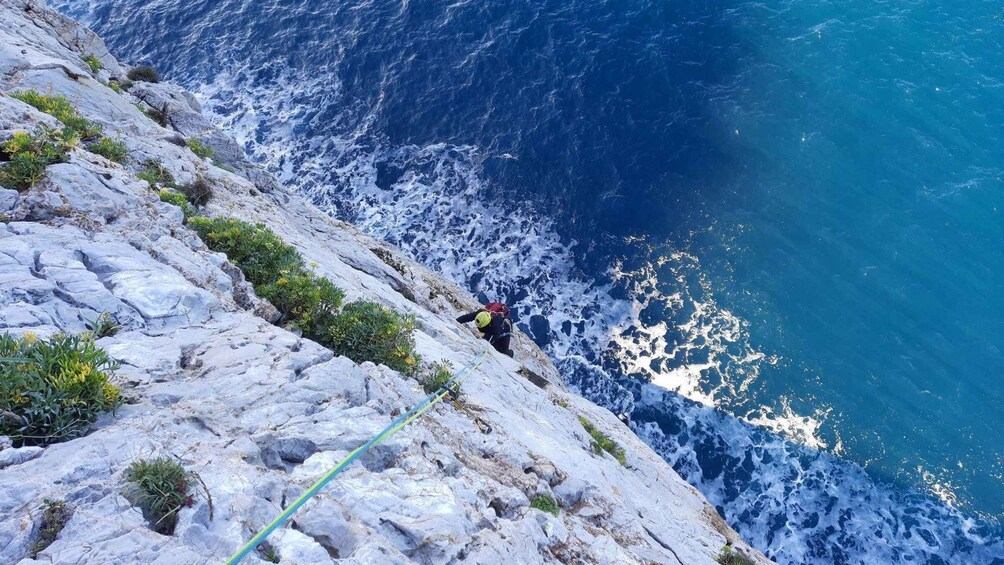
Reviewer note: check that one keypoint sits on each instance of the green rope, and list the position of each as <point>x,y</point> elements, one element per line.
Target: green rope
<point>394,427</point>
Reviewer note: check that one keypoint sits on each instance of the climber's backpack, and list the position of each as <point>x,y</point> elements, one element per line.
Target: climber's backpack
<point>498,308</point>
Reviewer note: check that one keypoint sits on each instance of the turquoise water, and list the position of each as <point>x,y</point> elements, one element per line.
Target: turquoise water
<point>869,253</point>
<point>787,211</point>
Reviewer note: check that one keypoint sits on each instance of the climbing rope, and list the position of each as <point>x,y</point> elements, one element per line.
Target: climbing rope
<point>394,427</point>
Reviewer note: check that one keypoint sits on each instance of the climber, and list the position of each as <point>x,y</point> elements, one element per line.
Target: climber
<point>494,324</point>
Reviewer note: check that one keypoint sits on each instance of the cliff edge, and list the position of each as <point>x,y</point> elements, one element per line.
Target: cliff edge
<point>254,409</point>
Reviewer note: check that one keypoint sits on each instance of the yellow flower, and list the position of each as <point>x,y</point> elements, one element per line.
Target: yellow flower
<point>110,393</point>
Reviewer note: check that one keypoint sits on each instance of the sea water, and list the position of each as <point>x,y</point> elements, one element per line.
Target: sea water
<point>769,232</point>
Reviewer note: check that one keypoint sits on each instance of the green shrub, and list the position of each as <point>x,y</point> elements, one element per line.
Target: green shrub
<point>276,271</point>
<point>187,210</point>
<point>261,254</point>
<point>161,491</point>
<point>126,84</point>
<point>727,557</point>
<point>307,301</point>
<point>435,375</point>
<point>54,517</point>
<point>154,173</point>
<point>602,443</point>
<point>93,62</point>
<point>143,73</point>
<point>110,149</point>
<point>114,85</point>
<point>52,390</point>
<point>362,331</point>
<point>544,503</point>
<point>367,331</point>
<point>104,325</point>
<point>198,191</point>
<point>200,149</point>
<point>61,109</point>
<point>27,156</point>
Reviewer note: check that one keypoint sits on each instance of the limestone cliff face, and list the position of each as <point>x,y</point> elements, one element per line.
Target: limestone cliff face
<point>259,412</point>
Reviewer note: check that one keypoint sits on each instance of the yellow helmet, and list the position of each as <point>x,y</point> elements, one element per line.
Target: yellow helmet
<point>482,319</point>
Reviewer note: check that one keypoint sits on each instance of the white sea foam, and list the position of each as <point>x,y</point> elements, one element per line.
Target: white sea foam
<point>799,505</point>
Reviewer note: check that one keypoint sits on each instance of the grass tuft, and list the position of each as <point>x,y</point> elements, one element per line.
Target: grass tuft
<point>143,73</point>
<point>603,443</point>
<point>180,200</point>
<point>111,149</point>
<point>28,155</point>
<point>52,390</point>
<point>200,149</point>
<point>154,173</point>
<point>94,63</point>
<point>161,490</point>
<point>105,325</point>
<point>434,375</point>
<point>545,503</point>
<point>728,557</point>
<point>60,108</point>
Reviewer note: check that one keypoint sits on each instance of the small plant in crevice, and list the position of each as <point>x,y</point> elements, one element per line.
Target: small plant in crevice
<point>267,553</point>
<point>154,173</point>
<point>55,514</point>
<point>160,115</point>
<point>199,191</point>
<point>52,390</point>
<point>434,375</point>
<point>115,86</point>
<point>367,331</point>
<point>180,200</point>
<point>60,108</point>
<point>544,503</point>
<point>24,156</point>
<point>93,62</point>
<point>729,557</point>
<point>110,149</point>
<point>603,443</point>
<point>105,325</point>
<point>200,149</point>
<point>161,489</point>
<point>143,73</point>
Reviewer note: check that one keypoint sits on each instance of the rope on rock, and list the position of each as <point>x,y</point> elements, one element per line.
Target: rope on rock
<point>394,427</point>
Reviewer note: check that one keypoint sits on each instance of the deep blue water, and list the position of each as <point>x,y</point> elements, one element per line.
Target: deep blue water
<point>789,211</point>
